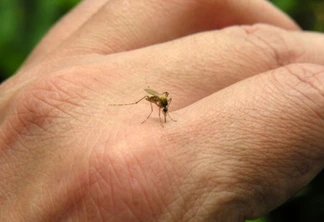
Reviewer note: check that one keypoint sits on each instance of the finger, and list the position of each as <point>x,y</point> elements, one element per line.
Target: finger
<point>64,29</point>
<point>121,26</point>
<point>263,136</point>
<point>199,65</point>
<point>193,67</point>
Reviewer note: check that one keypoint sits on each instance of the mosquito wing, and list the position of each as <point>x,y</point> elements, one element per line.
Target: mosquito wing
<point>152,92</point>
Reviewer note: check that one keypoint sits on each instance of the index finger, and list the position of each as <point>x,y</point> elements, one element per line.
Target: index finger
<point>118,25</point>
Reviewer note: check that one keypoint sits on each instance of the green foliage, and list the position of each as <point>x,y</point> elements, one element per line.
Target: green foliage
<point>263,219</point>
<point>23,23</point>
<point>309,14</point>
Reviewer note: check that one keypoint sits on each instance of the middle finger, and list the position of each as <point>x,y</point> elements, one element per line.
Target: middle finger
<point>121,25</point>
<point>196,66</point>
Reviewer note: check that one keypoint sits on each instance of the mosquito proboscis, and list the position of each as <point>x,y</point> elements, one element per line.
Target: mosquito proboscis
<point>161,100</point>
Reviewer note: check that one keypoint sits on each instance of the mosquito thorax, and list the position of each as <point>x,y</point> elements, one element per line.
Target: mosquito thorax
<point>164,102</point>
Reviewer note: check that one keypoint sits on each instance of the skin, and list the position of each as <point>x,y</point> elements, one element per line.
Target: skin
<point>248,99</point>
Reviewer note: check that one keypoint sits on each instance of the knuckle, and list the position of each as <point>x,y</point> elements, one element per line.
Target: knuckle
<point>302,87</point>
<point>309,82</point>
<point>275,43</point>
<point>305,82</point>
<point>56,96</point>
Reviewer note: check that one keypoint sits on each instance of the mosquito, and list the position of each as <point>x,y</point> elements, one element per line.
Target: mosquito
<point>161,100</point>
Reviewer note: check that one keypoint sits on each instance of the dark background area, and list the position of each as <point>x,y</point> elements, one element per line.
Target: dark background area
<point>24,22</point>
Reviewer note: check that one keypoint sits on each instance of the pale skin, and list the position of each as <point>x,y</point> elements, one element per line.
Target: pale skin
<point>248,99</point>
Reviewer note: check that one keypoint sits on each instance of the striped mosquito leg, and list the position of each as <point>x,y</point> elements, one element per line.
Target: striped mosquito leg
<point>169,102</point>
<point>160,117</point>
<point>149,114</point>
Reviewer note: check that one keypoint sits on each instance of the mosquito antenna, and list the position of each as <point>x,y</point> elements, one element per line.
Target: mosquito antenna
<point>149,114</point>
<point>148,86</point>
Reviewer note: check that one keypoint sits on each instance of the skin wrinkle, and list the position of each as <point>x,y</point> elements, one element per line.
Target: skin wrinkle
<point>310,97</point>
<point>264,51</point>
<point>293,115</point>
<point>69,101</point>
<point>143,184</point>
<point>176,190</point>
<point>173,189</point>
<point>186,187</point>
<point>309,81</point>
<point>16,154</point>
<point>283,171</point>
<point>155,186</point>
<point>200,203</point>
<point>37,112</point>
<point>69,91</point>
<point>112,191</point>
<point>78,192</point>
<point>14,139</point>
<point>113,188</point>
<point>160,197</point>
<point>98,212</point>
<point>200,195</point>
<point>174,212</point>
<point>71,184</point>
<point>68,75</point>
<point>287,54</point>
<point>257,190</point>
<point>39,116</point>
<point>201,209</point>
<point>168,213</point>
<point>287,144</point>
<point>99,205</point>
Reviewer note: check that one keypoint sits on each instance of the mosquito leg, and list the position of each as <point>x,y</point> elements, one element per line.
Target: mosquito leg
<point>169,102</point>
<point>144,97</point>
<point>171,118</point>
<point>165,117</point>
<point>160,117</point>
<point>126,104</point>
<point>149,114</point>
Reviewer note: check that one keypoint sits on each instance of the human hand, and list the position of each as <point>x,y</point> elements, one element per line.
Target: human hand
<point>248,100</point>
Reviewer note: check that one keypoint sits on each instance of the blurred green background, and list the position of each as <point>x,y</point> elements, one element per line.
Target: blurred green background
<point>24,22</point>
